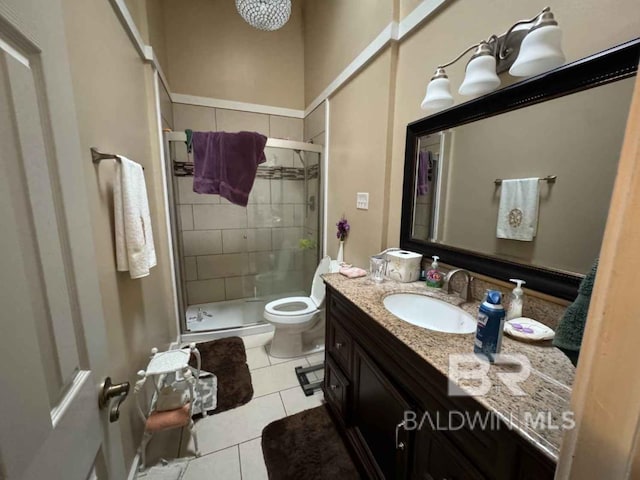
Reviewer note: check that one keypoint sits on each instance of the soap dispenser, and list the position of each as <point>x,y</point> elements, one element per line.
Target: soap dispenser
<point>517,297</point>
<point>435,278</point>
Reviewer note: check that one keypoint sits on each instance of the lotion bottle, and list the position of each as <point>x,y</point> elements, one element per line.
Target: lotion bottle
<point>517,298</point>
<point>435,278</point>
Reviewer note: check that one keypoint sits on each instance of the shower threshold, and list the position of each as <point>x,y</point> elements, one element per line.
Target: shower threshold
<point>230,314</point>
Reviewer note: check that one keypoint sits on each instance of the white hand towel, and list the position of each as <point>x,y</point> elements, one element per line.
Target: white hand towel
<point>518,211</point>
<point>134,239</point>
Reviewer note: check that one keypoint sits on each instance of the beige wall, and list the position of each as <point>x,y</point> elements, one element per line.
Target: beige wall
<point>578,138</point>
<point>213,52</point>
<point>462,23</point>
<point>156,30</point>
<point>358,125</point>
<point>113,96</point>
<point>358,121</point>
<point>408,6</point>
<point>148,16</point>
<point>335,32</point>
<point>315,125</point>
<point>138,11</point>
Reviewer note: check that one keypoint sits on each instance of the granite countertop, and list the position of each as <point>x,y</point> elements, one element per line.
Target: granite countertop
<point>547,389</point>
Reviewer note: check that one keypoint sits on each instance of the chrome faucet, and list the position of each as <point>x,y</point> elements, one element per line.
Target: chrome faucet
<point>466,293</point>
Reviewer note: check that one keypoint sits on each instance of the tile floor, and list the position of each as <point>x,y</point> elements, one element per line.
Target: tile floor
<point>230,443</point>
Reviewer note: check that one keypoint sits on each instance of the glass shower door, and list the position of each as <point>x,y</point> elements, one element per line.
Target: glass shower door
<point>293,217</point>
<point>232,260</point>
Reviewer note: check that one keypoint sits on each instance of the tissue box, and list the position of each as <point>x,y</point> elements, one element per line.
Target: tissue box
<point>403,266</point>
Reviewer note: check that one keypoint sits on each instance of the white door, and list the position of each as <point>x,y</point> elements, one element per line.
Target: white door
<point>52,352</point>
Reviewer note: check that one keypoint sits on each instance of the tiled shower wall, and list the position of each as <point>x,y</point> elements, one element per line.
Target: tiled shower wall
<point>232,252</point>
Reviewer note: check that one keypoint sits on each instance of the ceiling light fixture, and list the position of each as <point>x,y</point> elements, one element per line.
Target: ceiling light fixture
<point>522,51</point>
<point>266,15</point>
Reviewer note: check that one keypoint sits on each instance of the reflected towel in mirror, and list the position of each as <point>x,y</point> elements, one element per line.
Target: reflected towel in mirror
<point>424,168</point>
<point>518,210</point>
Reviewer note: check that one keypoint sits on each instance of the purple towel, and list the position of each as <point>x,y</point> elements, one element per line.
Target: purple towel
<point>424,165</point>
<point>226,163</point>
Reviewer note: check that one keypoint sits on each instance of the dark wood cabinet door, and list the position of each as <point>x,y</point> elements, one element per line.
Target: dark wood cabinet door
<point>336,389</point>
<point>339,344</point>
<point>378,413</point>
<point>435,458</point>
<point>535,468</point>
<point>369,386</point>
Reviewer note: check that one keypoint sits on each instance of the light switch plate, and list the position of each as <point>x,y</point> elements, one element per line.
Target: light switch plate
<point>362,201</point>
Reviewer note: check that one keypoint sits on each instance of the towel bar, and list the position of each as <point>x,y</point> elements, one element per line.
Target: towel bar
<point>548,179</point>
<point>97,157</point>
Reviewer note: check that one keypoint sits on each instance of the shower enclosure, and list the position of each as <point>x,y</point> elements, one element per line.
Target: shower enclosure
<point>231,260</point>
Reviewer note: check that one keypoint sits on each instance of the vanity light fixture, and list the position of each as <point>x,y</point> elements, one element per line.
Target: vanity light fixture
<point>522,51</point>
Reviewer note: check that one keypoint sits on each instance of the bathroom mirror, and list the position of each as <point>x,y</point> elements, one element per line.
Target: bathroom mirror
<point>565,127</point>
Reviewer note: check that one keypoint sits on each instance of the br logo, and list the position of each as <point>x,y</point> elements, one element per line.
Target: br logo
<point>469,375</point>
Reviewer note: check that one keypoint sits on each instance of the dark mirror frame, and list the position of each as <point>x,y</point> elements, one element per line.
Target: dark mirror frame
<point>605,67</point>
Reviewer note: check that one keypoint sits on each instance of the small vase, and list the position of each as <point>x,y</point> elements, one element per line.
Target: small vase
<point>340,257</point>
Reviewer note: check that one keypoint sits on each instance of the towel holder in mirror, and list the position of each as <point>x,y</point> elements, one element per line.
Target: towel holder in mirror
<point>548,179</point>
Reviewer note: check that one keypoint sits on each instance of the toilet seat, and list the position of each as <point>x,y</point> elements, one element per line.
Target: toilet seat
<point>275,307</point>
<point>294,319</point>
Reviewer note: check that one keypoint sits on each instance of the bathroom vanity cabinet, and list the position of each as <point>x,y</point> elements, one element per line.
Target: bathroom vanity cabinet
<point>372,379</point>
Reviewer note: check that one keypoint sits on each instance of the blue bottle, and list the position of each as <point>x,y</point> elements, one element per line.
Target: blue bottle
<point>490,326</point>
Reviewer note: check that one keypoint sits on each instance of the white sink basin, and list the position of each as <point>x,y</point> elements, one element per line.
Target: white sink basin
<point>430,313</point>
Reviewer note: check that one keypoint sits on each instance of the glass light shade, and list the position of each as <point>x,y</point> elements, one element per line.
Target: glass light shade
<point>480,77</point>
<point>540,51</point>
<point>266,15</point>
<point>438,95</point>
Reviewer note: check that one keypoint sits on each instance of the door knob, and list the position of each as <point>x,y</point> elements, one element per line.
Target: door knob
<point>110,391</point>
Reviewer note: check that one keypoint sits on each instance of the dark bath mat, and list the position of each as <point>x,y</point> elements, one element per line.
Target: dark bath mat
<point>221,353</point>
<point>306,445</point>
<point>226,358</point>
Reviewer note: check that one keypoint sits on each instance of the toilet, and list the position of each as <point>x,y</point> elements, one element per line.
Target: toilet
<point>298,321</point>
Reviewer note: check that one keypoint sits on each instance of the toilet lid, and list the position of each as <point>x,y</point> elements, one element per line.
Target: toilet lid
<point>291,306</point>
<point>317,287</point>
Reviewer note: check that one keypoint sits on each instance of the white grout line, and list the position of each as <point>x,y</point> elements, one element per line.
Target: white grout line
<point>250,440</point>
<point>264,346</point>
<point>202,455</point>
<point>284,407</point>
<point>239,460</point>
<point>299,359</point>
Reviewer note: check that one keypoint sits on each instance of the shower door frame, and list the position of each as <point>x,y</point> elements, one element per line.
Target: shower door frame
<point>173,213</point>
